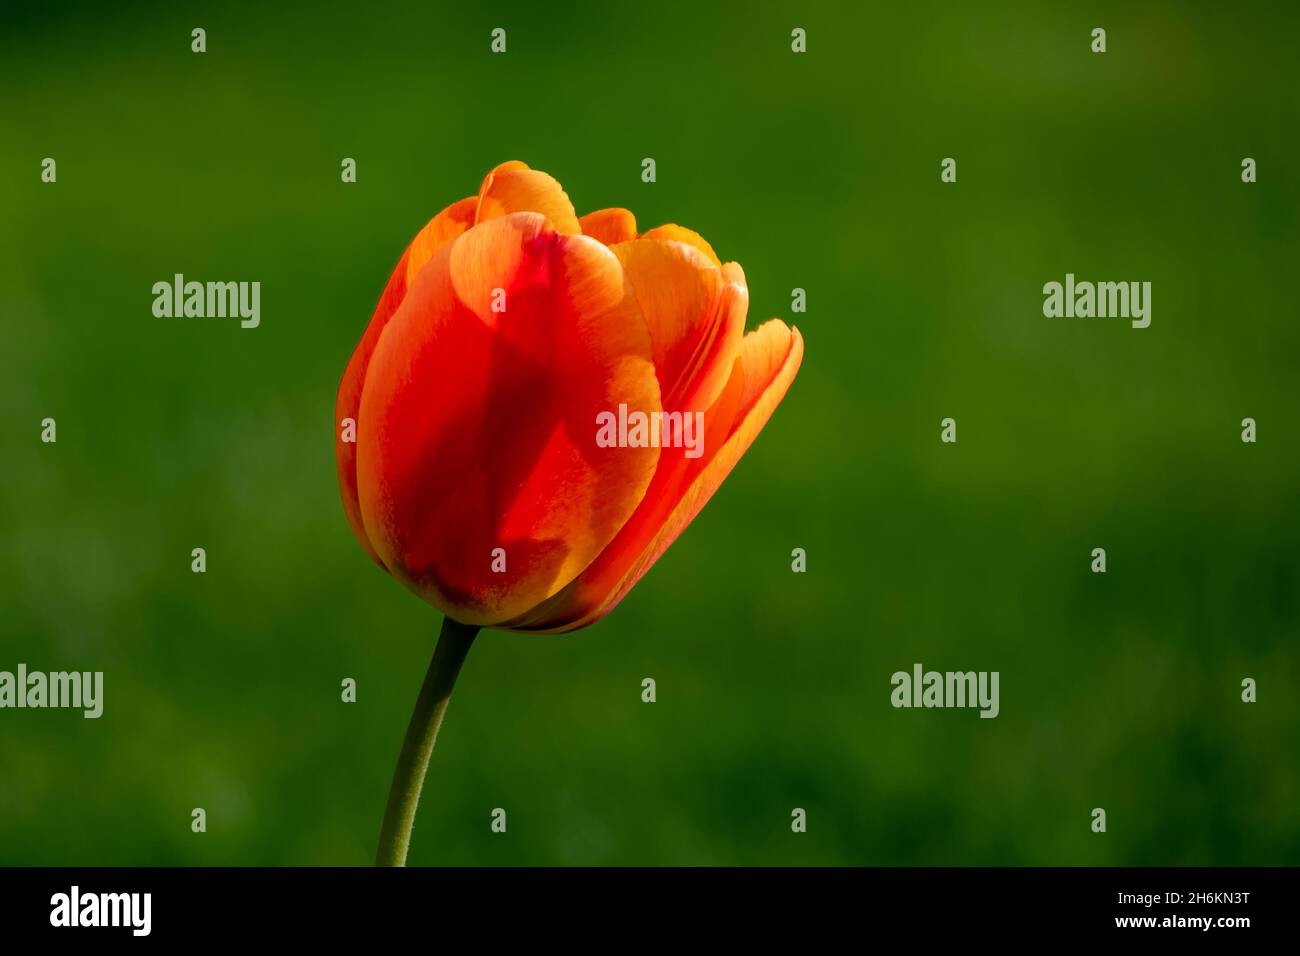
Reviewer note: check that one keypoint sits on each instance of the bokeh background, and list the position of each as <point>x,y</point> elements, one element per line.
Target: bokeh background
<point>818,171</point>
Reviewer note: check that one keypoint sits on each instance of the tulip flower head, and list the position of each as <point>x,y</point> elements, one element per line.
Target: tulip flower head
<point>540,404</point>
<point>509,333</point>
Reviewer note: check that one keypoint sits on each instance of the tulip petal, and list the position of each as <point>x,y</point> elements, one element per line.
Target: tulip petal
<point>443,228</point>
<point>513,187</point>
<point>440,230</point>
<point>610,226</point>
<point>477,427</point>
<point>695,313</point>
<point>675,233</point>
<point>768,360</point>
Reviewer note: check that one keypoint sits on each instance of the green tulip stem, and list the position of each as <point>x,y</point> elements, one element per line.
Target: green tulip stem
<point>408,777</point>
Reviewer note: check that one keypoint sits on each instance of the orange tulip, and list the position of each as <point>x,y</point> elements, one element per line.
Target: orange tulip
<point>478,478</point>
<point>475,427</point>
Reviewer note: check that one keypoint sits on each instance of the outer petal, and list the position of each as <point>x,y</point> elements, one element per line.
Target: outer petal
<point>443,228</point>
<point>696,315</point>
<point>610,226</point>
<point>440,230</point>
<point>762,373</point>
<point>477,428</point>
<point>513,187</point>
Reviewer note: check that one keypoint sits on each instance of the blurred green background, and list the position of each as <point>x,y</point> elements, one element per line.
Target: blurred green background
<point>818,171</point>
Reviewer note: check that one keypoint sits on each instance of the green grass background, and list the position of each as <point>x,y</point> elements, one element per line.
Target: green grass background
<point>924,301</point>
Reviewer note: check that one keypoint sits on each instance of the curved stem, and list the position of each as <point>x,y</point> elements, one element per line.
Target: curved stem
<point>408,777</point>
